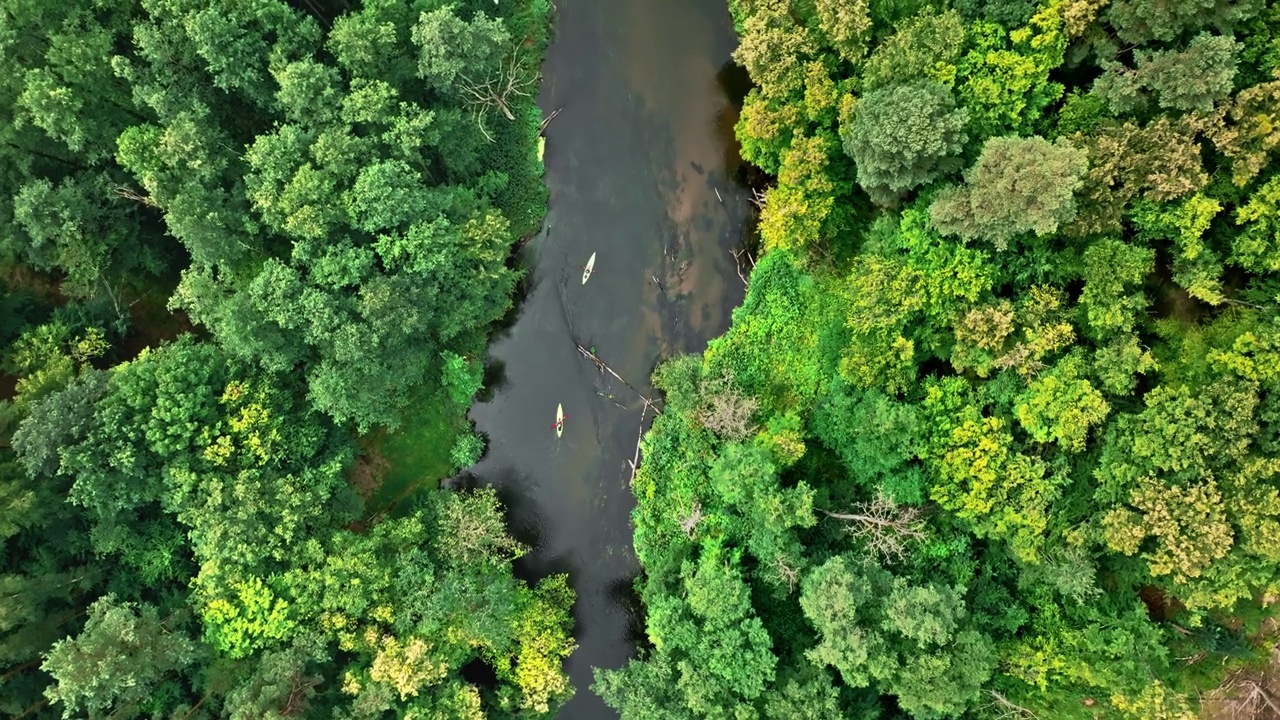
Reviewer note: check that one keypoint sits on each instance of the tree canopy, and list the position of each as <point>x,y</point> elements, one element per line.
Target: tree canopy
<point>237,241</point>
<point>994,432</point>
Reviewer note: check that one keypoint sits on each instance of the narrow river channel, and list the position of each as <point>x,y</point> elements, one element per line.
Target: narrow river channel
<point>643,143</point>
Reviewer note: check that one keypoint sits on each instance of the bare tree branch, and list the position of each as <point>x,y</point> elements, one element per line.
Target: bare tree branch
<point>514,78</point>
<point>129,193</point>
<point>737,259</point>
<point>727,411</point>
<point>690,521</point>
<point>635,462</point>
<point>1009,709</point>
<point>788,574</point>
<point>886,527</point>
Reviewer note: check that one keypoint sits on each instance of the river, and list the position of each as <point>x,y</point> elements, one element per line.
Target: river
<point>643,143</point>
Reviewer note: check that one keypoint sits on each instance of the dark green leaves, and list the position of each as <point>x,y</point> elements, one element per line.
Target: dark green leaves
<point>904,136</point>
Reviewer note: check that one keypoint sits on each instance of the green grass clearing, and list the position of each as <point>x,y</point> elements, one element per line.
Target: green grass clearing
<point>417,455</point>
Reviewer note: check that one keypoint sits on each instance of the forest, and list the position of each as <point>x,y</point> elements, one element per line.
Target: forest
<point>250,252</point>
<point>996,431</point>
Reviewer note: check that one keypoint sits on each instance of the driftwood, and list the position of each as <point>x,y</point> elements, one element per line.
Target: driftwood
<point>737,260</point>
<point>635,461</point>
<point>605,368</point>
<point>547,120</point>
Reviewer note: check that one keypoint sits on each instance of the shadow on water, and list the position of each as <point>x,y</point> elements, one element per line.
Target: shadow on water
<point>623,594</point>
<point>643,170</point>
<point>494,379</point>
<point>735,83</point>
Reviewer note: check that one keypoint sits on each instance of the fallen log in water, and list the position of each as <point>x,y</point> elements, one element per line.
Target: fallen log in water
<point>605,368</point>
<point>635,461</point>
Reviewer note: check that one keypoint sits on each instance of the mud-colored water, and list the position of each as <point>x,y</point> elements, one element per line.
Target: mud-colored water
<point>634,161</point>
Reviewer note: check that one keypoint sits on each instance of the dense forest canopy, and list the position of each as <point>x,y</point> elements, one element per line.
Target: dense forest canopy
<point>328,192</point>
<point>996,432</point>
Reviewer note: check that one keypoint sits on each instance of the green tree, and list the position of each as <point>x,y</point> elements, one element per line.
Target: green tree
<point>925,46</point>
<point>282,684</point>
<point>1159,161</point>
<point>452,50</point>
<point>1112,269</point>
<point>980,475</point>
<point>904,136</point>
<point>1196,266</point>
<point>1191,79</point>
<point>1062,406</point>
<point>1018,185</point>
<point>1140,21</point>
<point>1257,246</point>
<point>1004,77</point>
<point>846,24</point>
<point>1253,131</point>
<point>119,658</point>
<point>908,638</point>
<point>803,199</point>
<point>774,48</point>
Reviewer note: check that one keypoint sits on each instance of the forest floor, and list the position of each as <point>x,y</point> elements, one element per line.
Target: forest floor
<point>415,456</point>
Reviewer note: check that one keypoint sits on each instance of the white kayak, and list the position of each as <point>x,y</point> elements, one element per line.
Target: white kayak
<point>588,268</point>
<point>559,420</point>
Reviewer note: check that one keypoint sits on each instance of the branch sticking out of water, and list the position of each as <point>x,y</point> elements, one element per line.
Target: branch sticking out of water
<point>737,259</point>
<point>547,121</point>
<point>605,368</point>
<point>635,462</point>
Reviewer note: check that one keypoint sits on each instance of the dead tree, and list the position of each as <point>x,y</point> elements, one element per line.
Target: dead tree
<point>514,77</point>
<point>737,259</point>
<point>885,526</point>
<point>690,521</point>
<point>128,193</point>
<point>1245,694</point>
<point>727,411</point>
<point>788,574</point>
<point>1008,709</point>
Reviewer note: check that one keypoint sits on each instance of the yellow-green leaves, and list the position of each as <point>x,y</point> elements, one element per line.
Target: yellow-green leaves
<point>1062,406</point>
<point>981,477</point>
<point>1196,266</point>
<point>246,618</point>
<point>1257,247</point>
<point>926,46</point>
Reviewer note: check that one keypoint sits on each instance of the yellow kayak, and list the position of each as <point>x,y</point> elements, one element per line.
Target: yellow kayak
<point>559,420</point>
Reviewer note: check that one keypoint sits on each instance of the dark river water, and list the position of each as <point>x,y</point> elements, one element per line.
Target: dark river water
<point>634,160</point>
